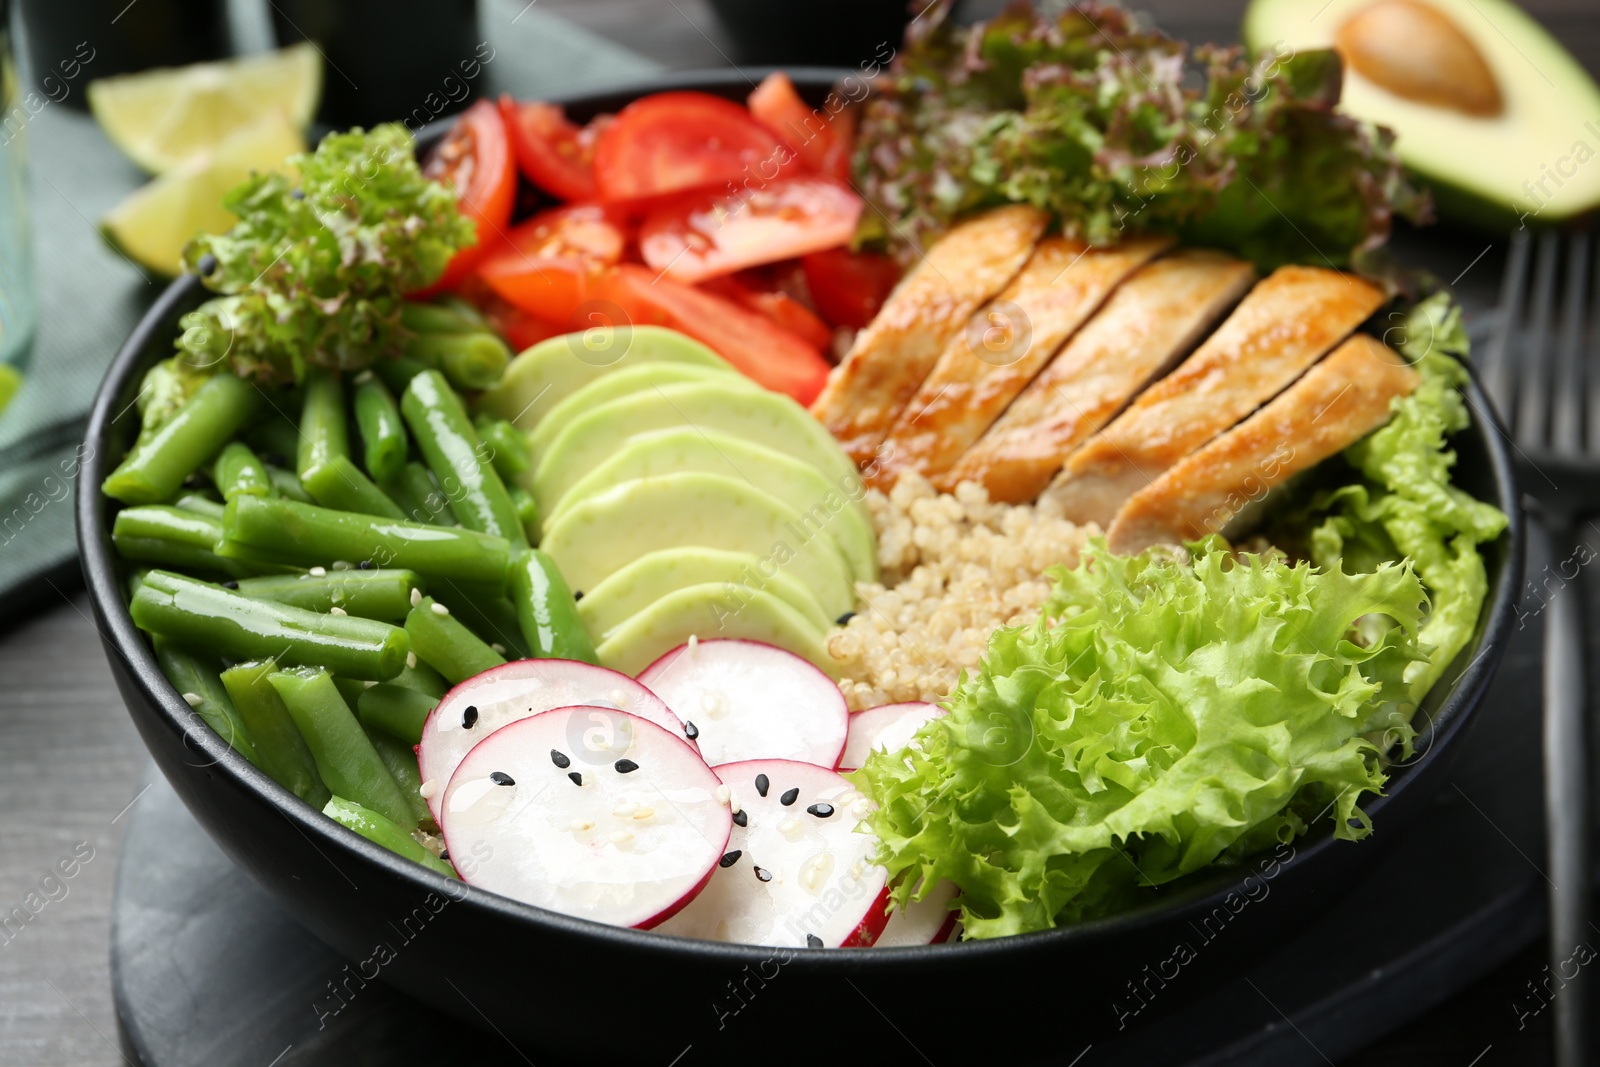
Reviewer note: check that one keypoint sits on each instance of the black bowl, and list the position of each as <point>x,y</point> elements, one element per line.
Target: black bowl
<point>555,984</point>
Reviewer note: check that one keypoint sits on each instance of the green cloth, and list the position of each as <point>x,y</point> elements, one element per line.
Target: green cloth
<point>90,297</point>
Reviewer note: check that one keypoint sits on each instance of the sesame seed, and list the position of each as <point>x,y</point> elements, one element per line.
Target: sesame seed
<point>690,730</point>
<point>790,797</point>
<point>440,609</point>
<point>469,716</point>
<point>581,825</point>
<point>319,572</point>
<point>821,811</point>
<point>363,378</point>
<point>762,784</point>
<point>336,610</point>
<point>621,837</point>
<point>559,758</point>
<point>416,596</point>
<point>625,766</point>
<point>844,620</point>
<point>230,585</point>
<point>764,875</point>
<point>577,595</point>
<point>741,819</point>
<point>577,779</point>
<point>644,813</point>
<point>625,809</point>
<point>411,660</point>
<point>723,794</point>
<point>498,647</point>
<point>194,700</point>
<point>788,826</point>
<point>365,564</point>
<point>501,778</point>
<point>429,789</point>
<point>729,858</point>
<point>813,941</point>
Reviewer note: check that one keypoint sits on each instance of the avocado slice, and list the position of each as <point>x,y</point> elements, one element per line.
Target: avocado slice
<point>650,577</point>
<point>601,535</point>
<point>772,419</point>
<point>621,383</point>
<point>541,377</point>
<point>1509,134</point>
<point>690,448</point>
<point>706,611</point>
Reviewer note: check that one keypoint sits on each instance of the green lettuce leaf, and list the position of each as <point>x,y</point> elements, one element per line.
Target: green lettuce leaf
<point>1161,717</point>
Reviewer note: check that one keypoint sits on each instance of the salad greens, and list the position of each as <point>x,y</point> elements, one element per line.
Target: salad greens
<point>314,271</point>
<point>1093,117</point>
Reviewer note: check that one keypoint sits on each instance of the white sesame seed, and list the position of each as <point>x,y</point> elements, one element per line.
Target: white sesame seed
<point>429,789</point>
<point>411,660</point>
<point>194,700</point>
<point>498,647</point>
<point>336,610</point>
<point>625,809</point>
<point>363,378</point>
<point>724,794</point>
<point>620,837</point>
<point>694,640</point>
<point>440,609</point>
<point>368,684</point>
<point>580,825</point>
<point>644,813</point>
<point>319,572</point>
<point>416,596</point>
<point>789,827</point>
<point>619,698</point>
<point>341,565</point>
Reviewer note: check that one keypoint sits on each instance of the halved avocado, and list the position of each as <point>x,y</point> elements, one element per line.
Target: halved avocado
<point>621,383</point>
<point>756,415</point>
<point>649,578</point>
<point>599,536</point>
<point>1488,108</point>
<point>690,448</point>
<point>542,376</point>
<point>705,612</point>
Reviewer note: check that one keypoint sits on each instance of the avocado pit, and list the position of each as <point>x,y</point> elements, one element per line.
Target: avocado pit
<point>1416,51</point>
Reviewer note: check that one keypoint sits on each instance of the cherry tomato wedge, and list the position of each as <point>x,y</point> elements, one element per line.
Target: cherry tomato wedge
<point>848,287</point>
<point>552,152</point>
<point>474,159</point>
<point>761,350</point>
<point>674,142</point>
<point>777,305</point>
<point>547,266</point>
<point>703,236</point>
<point>808,130</point>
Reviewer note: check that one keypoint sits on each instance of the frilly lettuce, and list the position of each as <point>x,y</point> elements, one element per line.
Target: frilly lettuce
<point>1162,716</point>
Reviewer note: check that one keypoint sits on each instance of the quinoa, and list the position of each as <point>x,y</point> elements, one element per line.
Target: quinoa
<point>955,567</point>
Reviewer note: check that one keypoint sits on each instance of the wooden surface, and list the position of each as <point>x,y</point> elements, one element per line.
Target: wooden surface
<point>70,761</point>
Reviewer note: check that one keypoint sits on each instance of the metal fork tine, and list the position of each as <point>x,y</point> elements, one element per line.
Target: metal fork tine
<point>1566,416</point>
<point>1495,357</point>
<point>1533,397</point>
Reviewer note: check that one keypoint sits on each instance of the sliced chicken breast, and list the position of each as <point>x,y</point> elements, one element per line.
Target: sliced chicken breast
<point>1151,321</point>
<point>1283,325</point>
<point>891,357</point>
<point>1336,403</point>
<point>986,365</point>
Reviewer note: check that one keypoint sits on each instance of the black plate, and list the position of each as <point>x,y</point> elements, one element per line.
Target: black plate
<point>595,992</point>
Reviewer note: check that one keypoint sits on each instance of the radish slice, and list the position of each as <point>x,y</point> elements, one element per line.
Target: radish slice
<point>623,827</point>
<point>796,872</point>
<point>485,702</point>
<point>888,726</point>
<point>745,700</point>
<point>922,922</point>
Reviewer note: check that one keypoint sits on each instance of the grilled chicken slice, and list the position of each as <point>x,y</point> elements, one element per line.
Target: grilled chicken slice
<point>1283,325</point>
<point>1151,321</point>
<point>891,357</point>
<point>1334,405</point>
<point>986,365</point>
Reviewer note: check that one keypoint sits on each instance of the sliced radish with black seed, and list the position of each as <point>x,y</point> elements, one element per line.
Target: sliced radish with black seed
<point>626,847</point>
<point>748,700</point>
<point>922,922</point>
<point>888,726</point>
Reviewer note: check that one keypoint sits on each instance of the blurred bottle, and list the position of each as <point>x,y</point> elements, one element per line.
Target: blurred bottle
<point>107,37</point>
<point>16,222</point>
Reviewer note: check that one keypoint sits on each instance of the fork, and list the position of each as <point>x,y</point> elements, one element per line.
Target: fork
<point>1541,369</point>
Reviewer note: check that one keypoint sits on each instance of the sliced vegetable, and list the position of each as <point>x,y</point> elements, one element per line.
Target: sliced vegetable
<point>369,594</point>
<point>344,755</point>
<point>677,141</point>
<point>156,466</point>
<point>849,288</point>
<point>552,152</point>
<point>440,641</point>
<point>195,675</point>
<point>383,832</point>
<point>809,131</point>
<point>546,610</point>
<point>551,264</point>
<point>450,445</point>
<point>474,162</point>
<point>282,751</point>
<point>383,435</point>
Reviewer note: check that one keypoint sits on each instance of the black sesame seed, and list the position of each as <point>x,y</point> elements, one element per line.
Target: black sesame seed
<point>469,717</point>
<point>790,797</point>
<point>577,595</point>
<point>741,818</point>
<point>502,778</point>
<point>730,858</point>
<point>821,811</point>
<point>559,758</point>
<point>577,779</point>
<point>206,265</point>
<point>230,585</point>
<point>690,730</point>
<point>625,766</point>
<point>764,875</point>
<point>845,618</point>
<point>813,941</point>
<point>298,194</point>
<point>762,785</point>
<point>365,565</point>
<point>445,854</point>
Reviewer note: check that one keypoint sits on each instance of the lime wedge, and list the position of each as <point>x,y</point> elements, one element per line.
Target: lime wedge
<point>163,118</point>
<point>154,222</point>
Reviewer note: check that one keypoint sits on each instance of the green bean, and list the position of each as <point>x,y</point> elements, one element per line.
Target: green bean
<point>196,678</point>
<point>546,610</point>
<point>422,318</point>
<point>401,760</point>
<point>282,751</point>
<point>385,833</point>
<point>239,627</point>
<point>440,641</point>
<point>421,677</point>
<point>449,444</point>
<point>288,485</point>
<point>275,439</point>
<point>200,504</point>
<point>396,710</point>
<point>351,689</point>
<point>465,308</point>
<point>173,537</point>
<point>339,484</point>
<point>527,511</point>
<point>323,462</point>
<point>508,447</point>
<point>420,497</point>
<point>397,372</point>
<point>370,594</point>
<point>487,612</point>
<point>238,470</point>
<point>345,758</point>
<point>383,435</point>
<point>470,360</point>
<point>154,469</point>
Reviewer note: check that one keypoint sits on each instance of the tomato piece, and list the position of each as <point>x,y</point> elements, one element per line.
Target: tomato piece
<point>674,142</point>
<point>758,348</point>
<point>552,152</point>
<point>777,105</point>
<point>547,266</point>
<point>474,160</point>
<point>836,162</point>
<point>519,329</point>
<point>777,305</point>
<point>703,236</point>
<point>848,287</point>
